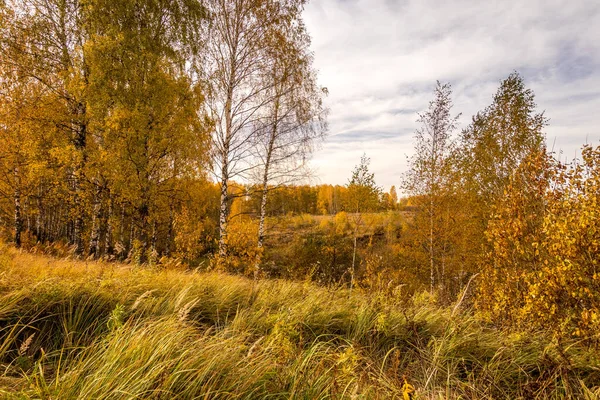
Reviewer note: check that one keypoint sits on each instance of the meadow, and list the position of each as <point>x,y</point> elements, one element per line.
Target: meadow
<point>74,329</point>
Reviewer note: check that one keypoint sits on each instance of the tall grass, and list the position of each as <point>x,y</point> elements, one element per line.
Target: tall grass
<point>90,330</point>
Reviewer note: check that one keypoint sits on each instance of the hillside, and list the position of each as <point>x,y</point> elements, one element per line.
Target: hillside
<point>75,329</point>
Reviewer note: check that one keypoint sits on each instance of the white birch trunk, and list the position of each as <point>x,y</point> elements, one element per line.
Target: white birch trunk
<point>17,201</point>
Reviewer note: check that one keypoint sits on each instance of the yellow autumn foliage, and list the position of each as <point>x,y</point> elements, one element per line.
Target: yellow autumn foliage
<point>541,270</point>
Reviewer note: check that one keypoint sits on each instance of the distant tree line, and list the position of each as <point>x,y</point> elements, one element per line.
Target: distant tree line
<point>315,199</point>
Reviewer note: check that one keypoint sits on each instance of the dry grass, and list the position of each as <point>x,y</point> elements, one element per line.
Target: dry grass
<point>90,330</point>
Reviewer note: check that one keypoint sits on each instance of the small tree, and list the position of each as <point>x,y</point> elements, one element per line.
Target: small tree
<point>363,196</point>
<point>393,198</point>
<point>489,152</point>
<point>493,146</point>
<point>429,177</point>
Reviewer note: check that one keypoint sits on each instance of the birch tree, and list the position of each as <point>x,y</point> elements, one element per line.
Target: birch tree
<point>101,95</point>
<point>428,179</point>
<point>148,112</point>
<point>294,116</point>
<point>235,69</point>
<point>52,53</point>
<point>16,143</point>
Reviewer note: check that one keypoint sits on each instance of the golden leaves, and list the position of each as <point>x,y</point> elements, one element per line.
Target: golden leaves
<point>541,271</point>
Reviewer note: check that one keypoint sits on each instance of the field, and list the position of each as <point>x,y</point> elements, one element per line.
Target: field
<point>91,330</point>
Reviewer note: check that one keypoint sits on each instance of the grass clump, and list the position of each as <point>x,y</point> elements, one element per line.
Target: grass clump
<point>74,330</point>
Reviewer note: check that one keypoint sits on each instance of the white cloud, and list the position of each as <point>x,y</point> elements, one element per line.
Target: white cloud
<point>380,60</point>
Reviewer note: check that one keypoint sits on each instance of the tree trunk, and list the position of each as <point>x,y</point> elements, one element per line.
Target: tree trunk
<point>131,235</point>
<point>108,247</point>
<point>49,224</point>
<point>356,222</point>
<point>94,249</point>
<point>122,249</point>
<point>17,201</point>
<point>265,187</point>
<point>153,250</point>
<point>263,207</point>
<point>38,223</point>
<point>78,222</point>
<point>261,225</point>
<point>170,232</point>
<point>57,224</point>
<point>223,219</point>
<point>143,213</point>
<point>79,141</point>
<point>225,206</point>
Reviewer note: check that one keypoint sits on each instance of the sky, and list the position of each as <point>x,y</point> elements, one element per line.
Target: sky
<point>380,60</point>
